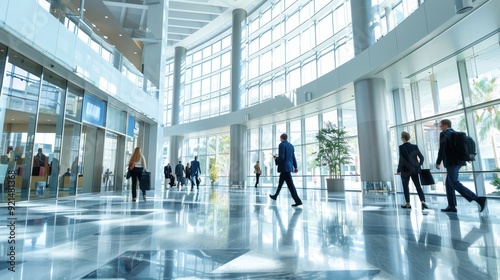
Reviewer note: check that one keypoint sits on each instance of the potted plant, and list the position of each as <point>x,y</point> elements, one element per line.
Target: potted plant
<point>496,183</point>
<point>213,171</point>
<point>333,152</point>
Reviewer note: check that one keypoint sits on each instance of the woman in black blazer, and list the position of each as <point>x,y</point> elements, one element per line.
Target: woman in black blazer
<point>410,160</point>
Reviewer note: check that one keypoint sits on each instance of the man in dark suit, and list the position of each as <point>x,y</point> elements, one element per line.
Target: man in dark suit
<point>167,171</point>
<point>286,163</point>
<point>179,173</point>
<point>453,166</point>
<point>410,160</point>
<point>195,172</point>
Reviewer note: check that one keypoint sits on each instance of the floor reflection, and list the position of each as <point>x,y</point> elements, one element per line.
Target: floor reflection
<point>225,233</point>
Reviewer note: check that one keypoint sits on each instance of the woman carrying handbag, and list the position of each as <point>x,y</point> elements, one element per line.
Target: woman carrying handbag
<point>136,165</point>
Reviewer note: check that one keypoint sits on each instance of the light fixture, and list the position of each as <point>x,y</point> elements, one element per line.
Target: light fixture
<point>463,6</point>
<point>106,17</point>
<point>120,35</point>
<point>105,37</point>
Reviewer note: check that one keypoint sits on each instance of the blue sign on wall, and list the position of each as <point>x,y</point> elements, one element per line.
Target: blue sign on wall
<point>130,126</point>
<point>94,110</point>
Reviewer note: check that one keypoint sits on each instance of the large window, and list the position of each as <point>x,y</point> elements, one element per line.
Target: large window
<point>467,93</point>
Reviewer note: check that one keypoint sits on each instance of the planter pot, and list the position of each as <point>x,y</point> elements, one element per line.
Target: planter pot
<point>212,183</point>
<point>335,185</point>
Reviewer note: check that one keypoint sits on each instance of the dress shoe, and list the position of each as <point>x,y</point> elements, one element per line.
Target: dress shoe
<point>134,199</point>
<point>424,206</point>
<point>406,206</point>
<point>450,210</point>
<point>273,197</point>
<point>482,202</point>
<point>296,204</point>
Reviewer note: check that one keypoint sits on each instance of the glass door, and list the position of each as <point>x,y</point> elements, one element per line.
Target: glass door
<point>108,182</point>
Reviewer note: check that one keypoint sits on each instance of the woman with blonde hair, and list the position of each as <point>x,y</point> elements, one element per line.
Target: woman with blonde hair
<point>136,165</point>
<point>257,171</point>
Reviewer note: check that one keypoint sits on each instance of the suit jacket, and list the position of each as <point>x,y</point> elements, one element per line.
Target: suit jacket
<point>195,167</point>
<point>167,170</point>
<point>285,160</point>
<point>444,154</point>
<point>408,163</point>
<point>179,170</point>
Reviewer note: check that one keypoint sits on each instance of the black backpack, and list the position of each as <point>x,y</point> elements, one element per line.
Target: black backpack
<point>463,146</point>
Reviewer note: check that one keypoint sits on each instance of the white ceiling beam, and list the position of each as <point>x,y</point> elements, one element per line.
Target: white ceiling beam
<point>190,16</point>
<point>196,8</point>
<point>185,23</point>
<point>146,40</point>
<point>181,31</point>
<point>125,5</point>
<point>176,37</point>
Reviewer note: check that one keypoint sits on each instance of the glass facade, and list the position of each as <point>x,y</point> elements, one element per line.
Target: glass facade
<point>291,43</point>
<point>47,147</point>
<point>466,92</point>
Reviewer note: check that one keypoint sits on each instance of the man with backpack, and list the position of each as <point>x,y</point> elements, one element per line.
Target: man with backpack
<point>449,155</point>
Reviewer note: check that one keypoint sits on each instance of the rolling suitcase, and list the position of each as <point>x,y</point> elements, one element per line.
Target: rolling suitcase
<point>145,182</point>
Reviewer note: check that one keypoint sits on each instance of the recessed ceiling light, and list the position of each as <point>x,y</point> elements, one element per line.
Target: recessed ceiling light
<point>120,35</point>
<point>135,52</point>
<point>12,119</point>
<point>106,17</point>
<point>94,25</point>
<point>105,37</point>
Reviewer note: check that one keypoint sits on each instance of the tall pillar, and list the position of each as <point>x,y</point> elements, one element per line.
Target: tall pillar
<point>364,21</point>
<point>399,100</point>
<point>388,16</point>
<point>238,158</point>
<point>371,106</point>
<point>373,123</point>
<point>154,61</point>
<point>178,83</point>
<point>237,62</point>
<point>175,150</point>
<point>177,91</point>
<point>238,132</point>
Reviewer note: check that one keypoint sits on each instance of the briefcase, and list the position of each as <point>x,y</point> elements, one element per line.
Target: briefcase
<point>426,177</point>
<point>145,182</point>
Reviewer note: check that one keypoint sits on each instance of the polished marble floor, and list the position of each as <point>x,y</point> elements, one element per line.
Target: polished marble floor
<point>226,233</point>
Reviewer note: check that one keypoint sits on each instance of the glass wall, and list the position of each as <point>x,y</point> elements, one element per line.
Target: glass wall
<point>207,81</point>
<point>289,44</point>
<point>45,147</point>
<point>205,148</point>
<point>19,101</point>
<point>468,93</point>
<point>263,144</point>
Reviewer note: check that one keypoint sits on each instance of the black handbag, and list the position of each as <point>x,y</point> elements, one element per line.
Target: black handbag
<point>426,177</point>
<point>128,174</point>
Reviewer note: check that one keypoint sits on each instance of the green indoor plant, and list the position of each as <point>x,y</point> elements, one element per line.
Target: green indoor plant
<point>213,170</point>
<point>333,152</point>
